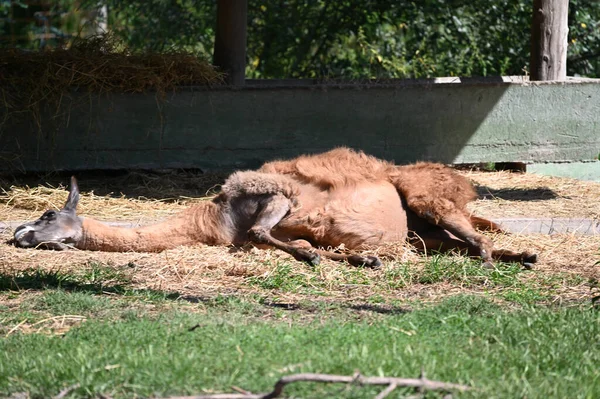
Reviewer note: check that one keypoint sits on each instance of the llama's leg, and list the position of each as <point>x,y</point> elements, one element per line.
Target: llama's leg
<point>353,259</point>
<point>443,213</point>
<point>275,209</point>
<point>485,224</point>
<point>444,243</point>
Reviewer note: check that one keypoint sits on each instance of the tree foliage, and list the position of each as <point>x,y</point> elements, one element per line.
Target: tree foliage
<point>360,39</point>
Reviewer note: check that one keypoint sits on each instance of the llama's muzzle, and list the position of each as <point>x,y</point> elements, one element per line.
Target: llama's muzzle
<point>21,231</point>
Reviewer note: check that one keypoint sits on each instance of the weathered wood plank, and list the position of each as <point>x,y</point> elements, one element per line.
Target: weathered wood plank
<point>549,30</point>
<point>230,39</point>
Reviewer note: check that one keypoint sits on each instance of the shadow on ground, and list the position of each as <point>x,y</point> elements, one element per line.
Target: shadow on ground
<point>517,194</point>
<point>33,279</point>
<point>160,185</point>
<point>170,185</point>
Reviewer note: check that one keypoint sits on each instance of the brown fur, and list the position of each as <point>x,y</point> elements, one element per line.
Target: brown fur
<point>485,225</point>
<point>433,188</point>
<point>201,223</point>
<point>434,192</point>
<point>340,197</point>
<point>336,168</point>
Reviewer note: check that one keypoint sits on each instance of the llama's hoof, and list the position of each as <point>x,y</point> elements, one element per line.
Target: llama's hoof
<point>488,265</point>
<point>529,258</point>
<point>527,266</point>
<point>364,261</point>
<point>311,258</point>
<point>258,235</point>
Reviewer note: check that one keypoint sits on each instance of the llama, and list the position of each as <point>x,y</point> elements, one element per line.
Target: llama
<point>434,196</point>
<point>340,197</point>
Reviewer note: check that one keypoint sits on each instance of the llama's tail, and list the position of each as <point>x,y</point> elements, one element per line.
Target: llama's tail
<point>485,225</point>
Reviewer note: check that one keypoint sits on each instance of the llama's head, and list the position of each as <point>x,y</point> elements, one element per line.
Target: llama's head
<point>55,229</point>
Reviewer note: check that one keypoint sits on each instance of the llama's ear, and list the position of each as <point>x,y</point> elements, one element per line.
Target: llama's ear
<point>73,198</point>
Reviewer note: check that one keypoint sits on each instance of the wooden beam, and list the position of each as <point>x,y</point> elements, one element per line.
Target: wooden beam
<point>230,39</point>
<point>549,29</point>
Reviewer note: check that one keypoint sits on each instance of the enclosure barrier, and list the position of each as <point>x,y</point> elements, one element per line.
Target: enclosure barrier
<point>451,120</point>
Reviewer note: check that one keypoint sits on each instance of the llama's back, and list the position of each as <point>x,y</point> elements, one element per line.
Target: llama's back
<point>433,181</point>
<point>336,168</point>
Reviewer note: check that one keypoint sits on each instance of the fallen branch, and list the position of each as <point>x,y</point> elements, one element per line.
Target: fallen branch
<point>391,383</point>
<point>63,394</point>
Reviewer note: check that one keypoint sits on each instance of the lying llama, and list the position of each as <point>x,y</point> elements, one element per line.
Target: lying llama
<point>298,206</point>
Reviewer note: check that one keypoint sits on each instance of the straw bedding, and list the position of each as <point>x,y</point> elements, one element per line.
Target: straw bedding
<point>208,271</point>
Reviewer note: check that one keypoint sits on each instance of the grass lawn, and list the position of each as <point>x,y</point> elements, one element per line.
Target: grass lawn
<point>200,320</point>
<point>94,330</point>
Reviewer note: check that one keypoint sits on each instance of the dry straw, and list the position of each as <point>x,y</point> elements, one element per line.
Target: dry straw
<point>134,196</point>
<point>96,64</point>
<point>505,194</point>
<point>569,260</point>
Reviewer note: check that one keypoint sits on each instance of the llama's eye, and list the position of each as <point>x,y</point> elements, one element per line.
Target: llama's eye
<point>49,215</point>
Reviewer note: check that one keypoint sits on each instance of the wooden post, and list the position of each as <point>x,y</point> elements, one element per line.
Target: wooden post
<point>549,29</point>
<point>230,39</point>
<point>101,18</point>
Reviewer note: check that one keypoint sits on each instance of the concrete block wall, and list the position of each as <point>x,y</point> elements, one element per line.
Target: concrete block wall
<point>449,120</point>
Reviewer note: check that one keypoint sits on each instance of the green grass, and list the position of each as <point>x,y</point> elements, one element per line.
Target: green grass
<point>507,281</point>
<point>285,277</point>
<point>529,351</point>
<point>93,277</point>
<point>123,341</point>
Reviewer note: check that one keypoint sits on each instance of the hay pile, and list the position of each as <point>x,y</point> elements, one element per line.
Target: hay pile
<point>204,271</point>
<point>102,64</point>
<point>96,64</point>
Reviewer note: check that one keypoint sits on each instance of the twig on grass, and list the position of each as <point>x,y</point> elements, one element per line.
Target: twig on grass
<point>62,394</point>
<point>386,391</point>
<point>240,390</point>
<point>391,383</point>
<point>15,328</point>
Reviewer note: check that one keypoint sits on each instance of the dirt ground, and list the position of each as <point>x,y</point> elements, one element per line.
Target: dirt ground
<point>208,271</point>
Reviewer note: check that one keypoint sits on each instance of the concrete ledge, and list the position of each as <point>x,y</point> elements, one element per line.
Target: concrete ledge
<point>512,225</point>
<point>576,170</point>
<point>551,226</point>
<point>451,120</point>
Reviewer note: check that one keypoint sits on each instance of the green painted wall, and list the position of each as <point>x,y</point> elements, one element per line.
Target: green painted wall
<point>576,170</point>
<point>446,120</point>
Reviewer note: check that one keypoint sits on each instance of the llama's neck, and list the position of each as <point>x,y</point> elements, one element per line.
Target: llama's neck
<point>203,223</point>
